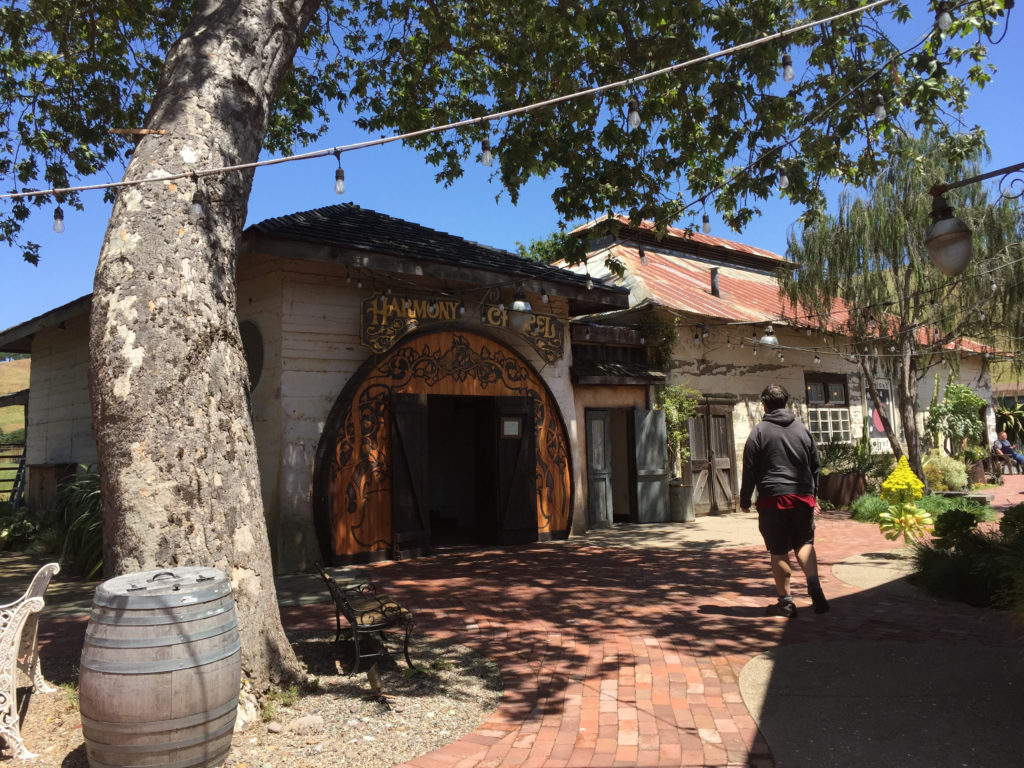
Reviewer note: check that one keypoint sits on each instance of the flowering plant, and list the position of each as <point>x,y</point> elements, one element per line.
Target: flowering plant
<point>902,486</point>
<point>901,489</point>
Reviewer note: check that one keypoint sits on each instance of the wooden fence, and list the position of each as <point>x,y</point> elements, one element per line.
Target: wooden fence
<point>11,470</point>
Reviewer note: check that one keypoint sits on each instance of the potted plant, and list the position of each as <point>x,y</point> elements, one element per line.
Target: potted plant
<point>844,470</point>
<point>679,403</point>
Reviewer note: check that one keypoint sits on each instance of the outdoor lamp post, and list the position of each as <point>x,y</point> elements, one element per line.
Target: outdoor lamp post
<point>948,239</point>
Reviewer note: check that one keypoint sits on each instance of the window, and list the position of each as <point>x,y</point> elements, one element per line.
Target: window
<point>828,408</point>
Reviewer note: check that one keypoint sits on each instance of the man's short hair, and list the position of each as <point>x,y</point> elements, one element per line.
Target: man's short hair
<point>774,396</point>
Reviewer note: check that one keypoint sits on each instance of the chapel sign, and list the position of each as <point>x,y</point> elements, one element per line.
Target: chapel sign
<point>385,318</point>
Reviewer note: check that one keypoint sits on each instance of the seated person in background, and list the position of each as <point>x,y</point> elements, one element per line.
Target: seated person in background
<point>1004,446</point>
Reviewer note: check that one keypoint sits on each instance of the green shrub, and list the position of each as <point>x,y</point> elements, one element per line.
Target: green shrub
<point>868,508</point>
<point>953,528</point>
<point>16,530</point>
<point>14,437</point>
<point>933,475</point>
<point>79,497</point>
<point>937,506</point>
<point>971,573</point>
<point>954,474</point>
<point>1011,526</point>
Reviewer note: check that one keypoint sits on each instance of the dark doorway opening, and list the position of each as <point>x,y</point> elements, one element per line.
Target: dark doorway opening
<point>463,470</point>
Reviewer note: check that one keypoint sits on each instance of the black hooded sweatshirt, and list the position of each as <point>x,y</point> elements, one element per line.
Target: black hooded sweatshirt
<point>780,457</point>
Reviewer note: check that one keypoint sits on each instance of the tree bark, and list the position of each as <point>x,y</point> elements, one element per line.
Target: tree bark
<point>167,373</point>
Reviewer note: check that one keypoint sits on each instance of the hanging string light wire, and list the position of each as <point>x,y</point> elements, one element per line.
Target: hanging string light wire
<point>473,121</point>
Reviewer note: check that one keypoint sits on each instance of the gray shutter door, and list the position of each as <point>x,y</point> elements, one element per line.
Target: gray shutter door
<point>650,464</point>
<point>599,469</point>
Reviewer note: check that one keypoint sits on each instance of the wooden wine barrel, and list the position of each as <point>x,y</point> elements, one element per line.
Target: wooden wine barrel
<point>161,670</point>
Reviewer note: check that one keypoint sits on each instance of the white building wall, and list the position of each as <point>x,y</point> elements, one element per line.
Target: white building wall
<point>59,417</point>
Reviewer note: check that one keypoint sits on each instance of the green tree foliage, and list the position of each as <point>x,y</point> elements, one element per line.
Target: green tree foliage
<point>955,421</point>
<point>870,254</point>
<point>74,71</point>
<point>558,246</point>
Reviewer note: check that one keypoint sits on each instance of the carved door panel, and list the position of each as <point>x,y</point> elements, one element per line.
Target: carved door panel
<point>517,471</point>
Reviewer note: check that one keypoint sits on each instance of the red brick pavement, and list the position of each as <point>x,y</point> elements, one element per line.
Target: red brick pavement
<point>632,657</point>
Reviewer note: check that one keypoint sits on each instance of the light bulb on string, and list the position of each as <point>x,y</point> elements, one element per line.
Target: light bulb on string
<point>728,343</point>
<point>590,283</point>
<point>817,358</point>
<point>58,220</point>
<point>706,224</point>
<point>543,297</point>
<point>485,152</point>
<point>880,112</point>
<point>462,308</point>
<point>339,177</point>
<point>633,116</point>
<point>809,332</point>
<point>787,68</point>
<point>783,178</point>
<point>994,286</point>
<point>696,339</point>
<point>943,18</point>
<point>643,256</point>
<point>755,351</point>
<point>195,208</point>
<point>782,358</point>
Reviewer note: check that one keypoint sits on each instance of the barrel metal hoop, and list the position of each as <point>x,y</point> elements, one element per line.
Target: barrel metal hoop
<point>155,726</point>
<point>122,620</point>
<point>155,667</point>
<point>158,642</point>
<point>170,746</point>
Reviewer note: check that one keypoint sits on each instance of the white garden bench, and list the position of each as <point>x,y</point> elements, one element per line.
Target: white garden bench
<point>19,623</point>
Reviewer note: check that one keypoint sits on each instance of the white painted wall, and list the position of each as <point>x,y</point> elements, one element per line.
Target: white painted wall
<point>59,417</point>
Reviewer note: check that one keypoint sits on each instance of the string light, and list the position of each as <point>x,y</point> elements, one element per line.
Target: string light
<point>706,224</point>
<point>485,152</point>
<point>783,178</point>
<point>755,351</point>
<point>195,209</point>
<point>58,220</point>
<point>696,339</point>
<point>586,332</point>
<point>633,117</point>
<point>543,296</point>
<point>943,18</point>
<point>817,358</point>
<point>787,68</point>
<point>643,256</point>
<point>880,112</point>
<point>468,121</point>
<point>590,283</point>
<point>994,286</point>
<point>728,343</point>
<point>462,308</point>
<point>339,177</point>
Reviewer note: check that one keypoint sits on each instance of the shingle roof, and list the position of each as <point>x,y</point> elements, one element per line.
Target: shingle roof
<point>349,226</point>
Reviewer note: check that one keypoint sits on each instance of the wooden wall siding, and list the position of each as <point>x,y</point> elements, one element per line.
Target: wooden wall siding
<point>59,416</point>
<point>353,481</point>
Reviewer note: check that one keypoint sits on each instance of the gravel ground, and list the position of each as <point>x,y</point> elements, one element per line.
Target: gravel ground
<point>339,722</point>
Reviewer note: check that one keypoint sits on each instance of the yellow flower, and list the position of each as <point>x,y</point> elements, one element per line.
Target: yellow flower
<point>902,486</point>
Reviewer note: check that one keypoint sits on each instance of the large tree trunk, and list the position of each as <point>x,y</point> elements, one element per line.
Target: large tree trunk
<point>908,413</point>
<point>167,373</point>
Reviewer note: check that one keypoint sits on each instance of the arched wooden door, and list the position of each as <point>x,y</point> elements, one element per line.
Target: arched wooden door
<point>373,468</point>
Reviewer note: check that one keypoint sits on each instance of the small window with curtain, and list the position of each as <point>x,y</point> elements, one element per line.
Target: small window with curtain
<point>828,408</point>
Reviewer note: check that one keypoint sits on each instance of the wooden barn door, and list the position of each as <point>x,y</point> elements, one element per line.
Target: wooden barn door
<point>517,471</point>
<point>410,479</point>
<point>600,502</point>
<point>649,493</point>
<point>712,459</point>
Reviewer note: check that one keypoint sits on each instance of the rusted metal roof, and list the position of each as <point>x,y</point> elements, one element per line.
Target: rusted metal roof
<point>683,284</point>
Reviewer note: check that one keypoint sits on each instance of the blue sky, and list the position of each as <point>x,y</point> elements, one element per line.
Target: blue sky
<point>397,181</point>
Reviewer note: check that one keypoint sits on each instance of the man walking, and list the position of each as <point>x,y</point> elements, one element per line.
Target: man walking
<point>780,459</point>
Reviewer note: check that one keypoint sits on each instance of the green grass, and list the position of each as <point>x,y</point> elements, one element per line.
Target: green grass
<point>14,377</point>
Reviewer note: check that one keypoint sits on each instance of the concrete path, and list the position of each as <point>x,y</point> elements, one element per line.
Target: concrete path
<point>646,646</point>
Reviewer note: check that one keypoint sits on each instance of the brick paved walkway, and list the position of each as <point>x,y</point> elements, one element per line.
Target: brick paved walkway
<point>632,657</point>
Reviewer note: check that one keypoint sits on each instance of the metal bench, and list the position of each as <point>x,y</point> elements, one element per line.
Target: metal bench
<point>368,614</point>
<point>1003,464</point>
<point>19,624</point>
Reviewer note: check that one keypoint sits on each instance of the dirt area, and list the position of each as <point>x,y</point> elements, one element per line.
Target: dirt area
<point>338,722</point>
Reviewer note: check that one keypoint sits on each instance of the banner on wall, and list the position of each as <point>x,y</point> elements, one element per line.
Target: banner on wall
<point>876,432</point>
